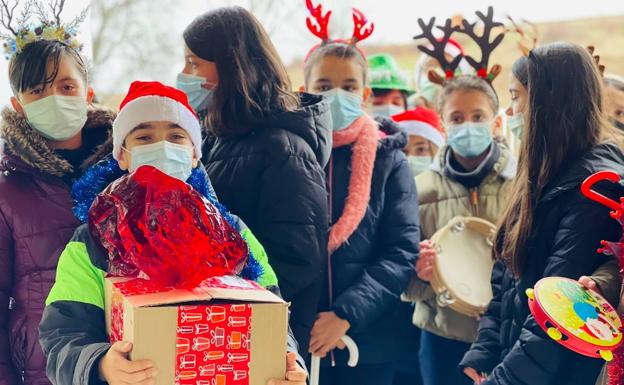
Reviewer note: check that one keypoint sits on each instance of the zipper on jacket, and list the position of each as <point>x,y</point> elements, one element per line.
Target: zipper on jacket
<point>11,303</point>
<point>330,285</point>
<point>474,200</point>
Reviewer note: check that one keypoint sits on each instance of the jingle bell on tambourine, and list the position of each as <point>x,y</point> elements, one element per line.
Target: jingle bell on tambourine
<point>577,318</point>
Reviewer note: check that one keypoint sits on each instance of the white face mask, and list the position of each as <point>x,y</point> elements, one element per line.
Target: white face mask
<point>57,117</point>
<point>516,124</point>
<point>175,160</point>
<point>386,110</point>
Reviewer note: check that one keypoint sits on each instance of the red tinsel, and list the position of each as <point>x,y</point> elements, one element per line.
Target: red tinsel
<point>159,228</point>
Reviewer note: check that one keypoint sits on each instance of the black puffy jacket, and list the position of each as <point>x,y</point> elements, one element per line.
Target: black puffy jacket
<point>567,231</point>
<point>373,268</point>
<point>272,178</point>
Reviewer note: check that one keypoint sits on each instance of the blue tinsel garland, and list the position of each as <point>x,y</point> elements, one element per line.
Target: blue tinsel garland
<point>95,179</point>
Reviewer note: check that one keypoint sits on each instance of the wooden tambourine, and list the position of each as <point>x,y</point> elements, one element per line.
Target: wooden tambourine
<point>463,268</point>
<point>577,318</point>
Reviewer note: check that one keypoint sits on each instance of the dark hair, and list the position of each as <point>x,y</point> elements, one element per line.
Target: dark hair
<point>468,83</point>
<point>520,70</point>
<point>29,68</point>
<point>565,120</point>
<point>337,49</point>
<point>614,81</point>
<point>381,92</point>
<point>253,82</point>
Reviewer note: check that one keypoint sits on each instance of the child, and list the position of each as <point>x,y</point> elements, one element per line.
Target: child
<point>614,99</point>
<point>390,86</point>
<point>425,137</point>
<point>155,127</point>
<point>469,177</point>
<point>549,228</point>
<point>265,149</point>
<point>52,134</point>
<point>373,241</point>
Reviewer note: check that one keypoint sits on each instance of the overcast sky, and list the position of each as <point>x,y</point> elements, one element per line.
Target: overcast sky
<point>395,19</point>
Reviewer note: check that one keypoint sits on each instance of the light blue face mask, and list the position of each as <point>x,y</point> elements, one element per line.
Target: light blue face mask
<point>470,139</point>
<point>419,164</point>
<point>57,117</point>
<point>173,159</point>
<point>199,97</point>
<point>516,124</point>
<point>345,107</point>
<point>386,111</point>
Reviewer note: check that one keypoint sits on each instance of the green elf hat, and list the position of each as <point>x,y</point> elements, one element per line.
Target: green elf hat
<point>386,74</point>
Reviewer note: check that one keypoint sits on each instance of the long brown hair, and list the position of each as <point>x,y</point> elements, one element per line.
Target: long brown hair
<point>253,82</point>
<point>565,119</point>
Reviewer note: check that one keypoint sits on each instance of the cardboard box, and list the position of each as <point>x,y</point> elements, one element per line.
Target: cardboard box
<point>229,332</point>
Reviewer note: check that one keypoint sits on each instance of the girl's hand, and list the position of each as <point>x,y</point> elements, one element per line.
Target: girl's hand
<point>294,374</point>
<point>116,369</point>
<point>474,376</point>
<point>589,283</point>
<point>426,259</point>
<point>326,333</point>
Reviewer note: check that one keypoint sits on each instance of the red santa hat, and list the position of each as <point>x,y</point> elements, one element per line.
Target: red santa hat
<point>154,102</point>
<point>423,122</point>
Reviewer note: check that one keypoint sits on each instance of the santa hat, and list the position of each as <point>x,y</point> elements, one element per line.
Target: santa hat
<point>154,102</point>
<point>423,122</point>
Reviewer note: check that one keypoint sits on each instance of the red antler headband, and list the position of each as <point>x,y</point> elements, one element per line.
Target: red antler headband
<point>318,24</point>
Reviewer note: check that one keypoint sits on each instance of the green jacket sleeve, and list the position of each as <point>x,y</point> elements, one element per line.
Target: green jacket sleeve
<point>73,328</point>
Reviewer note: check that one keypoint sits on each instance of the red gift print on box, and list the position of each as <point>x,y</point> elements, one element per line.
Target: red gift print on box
<point>219,380</point>
<point>207,370</point>
<point>191,317</point>
<point>226,368</point>
<point>187,329</point>
<point>186,375</point>
<point>183,345</point>
<point>218,337</point>
<point>216,314</point>
<point>240,375</point>
<point>237,322</point>
<point>188,361</point>
<point>213,355</point>
<point>200,344</point>
<point>234,341</point>
<point>238,308</point>
<point>202,329</point>
<point>117,315</point>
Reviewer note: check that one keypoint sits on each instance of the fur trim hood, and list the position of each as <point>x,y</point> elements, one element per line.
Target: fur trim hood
<point>26,150</point>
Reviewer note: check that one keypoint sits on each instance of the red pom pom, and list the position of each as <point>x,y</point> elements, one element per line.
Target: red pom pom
<point>449,74</point>
<point>159,228</point>
<point>482,73</point>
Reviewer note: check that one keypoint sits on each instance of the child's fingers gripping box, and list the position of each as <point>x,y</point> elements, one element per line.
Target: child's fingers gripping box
<point>226,332</point>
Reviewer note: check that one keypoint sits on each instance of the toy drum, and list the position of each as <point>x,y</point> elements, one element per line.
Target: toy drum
<point>577,318</point>
<point>463,268</point>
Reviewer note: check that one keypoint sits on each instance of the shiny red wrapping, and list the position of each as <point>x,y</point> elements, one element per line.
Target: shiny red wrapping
<point>159,228</point>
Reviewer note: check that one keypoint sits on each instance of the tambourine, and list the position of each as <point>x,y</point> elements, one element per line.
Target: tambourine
<point>463,268</point>
<point>577,318</point>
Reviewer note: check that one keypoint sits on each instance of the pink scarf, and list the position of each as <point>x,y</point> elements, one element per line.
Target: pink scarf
<point>363,134</point>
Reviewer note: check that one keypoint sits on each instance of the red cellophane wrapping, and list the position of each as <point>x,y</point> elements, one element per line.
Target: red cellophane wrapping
<point>159,228</point>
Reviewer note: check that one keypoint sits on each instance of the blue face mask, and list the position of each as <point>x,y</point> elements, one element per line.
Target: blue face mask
<point>386,110</point>
<point>173,159</point>
<point>345,107</point>
<point>516,125</point>
<point>199,97</point>
<point>419,164</point>
<point>470,139</point>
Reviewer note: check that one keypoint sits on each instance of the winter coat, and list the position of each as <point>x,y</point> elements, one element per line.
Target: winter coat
<point>36,222</point>
<point>371,270</point>
<point>440,200</point>
<point>73,327</point>
<point>566,232</point>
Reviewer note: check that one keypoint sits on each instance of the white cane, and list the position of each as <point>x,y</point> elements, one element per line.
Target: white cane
<point>354,357</point>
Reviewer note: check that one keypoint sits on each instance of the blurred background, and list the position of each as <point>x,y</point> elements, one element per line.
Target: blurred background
<point>129,40</point>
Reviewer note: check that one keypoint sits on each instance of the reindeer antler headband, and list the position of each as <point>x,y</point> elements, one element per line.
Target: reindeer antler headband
<point>318,24</point>
<point>49,27</point>
<point>486,45</point>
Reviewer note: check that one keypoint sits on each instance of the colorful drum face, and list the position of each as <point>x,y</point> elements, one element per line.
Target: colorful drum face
<point>463,269</point>
<point>577,318</point>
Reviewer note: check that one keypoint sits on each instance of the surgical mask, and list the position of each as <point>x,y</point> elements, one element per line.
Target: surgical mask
<point>419,164</point>
<point>516,124</point>
<point>173,159</point>
<point>345,107</point>
<point>193,86</point>
<point>386,110</point>
<point>427,88</point>
<point>57,117</point>
<point>470,139</point>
